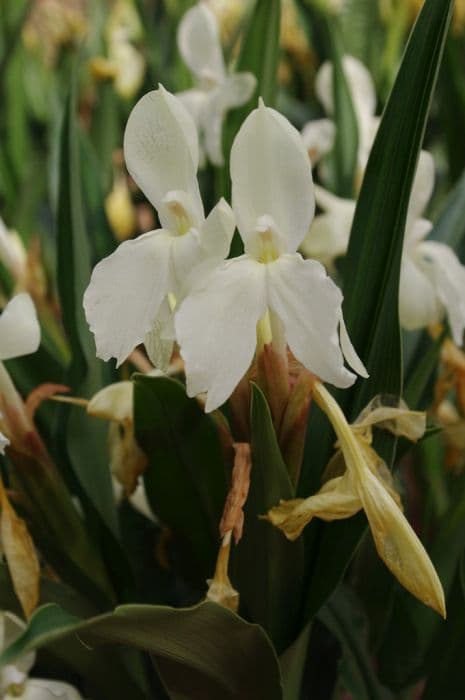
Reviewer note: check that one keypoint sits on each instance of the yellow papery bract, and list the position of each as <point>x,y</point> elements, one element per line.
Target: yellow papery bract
<point>399,420</point>
<point>398,546</point>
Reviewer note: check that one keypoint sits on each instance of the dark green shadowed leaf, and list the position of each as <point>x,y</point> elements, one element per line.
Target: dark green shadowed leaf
<point>211,652</point>
<point>450,225</point>
<point>186,478</point>
<point>372,273</point>
<point>268,568</point>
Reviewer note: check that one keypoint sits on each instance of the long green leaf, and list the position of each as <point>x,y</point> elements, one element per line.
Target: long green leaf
<point>214,652</point>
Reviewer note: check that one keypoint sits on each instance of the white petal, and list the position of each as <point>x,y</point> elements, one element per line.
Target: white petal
<point>329,233</point>
<point>159,341</point>
<point>271,176</point>
<point>448,275</point>
<point>232,92</point>
<point>217,231</point>
<point>318,137</point>
<point>361,88</point>
<point>194,101</point>
<point>309,305</point>
<point>161,148</point>
<point>348,350</point>
<point>422,189</point>
<point>125,293</point>
<point>216,328</point>
<point>41,689</point>
<point>199,44</point>
<point>418,301</point>
<point>4,442</point>
<point>19,328</point>
<point>130,68</point>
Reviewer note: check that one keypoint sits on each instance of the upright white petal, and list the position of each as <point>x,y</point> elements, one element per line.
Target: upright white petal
<point>125,293</point>
<point>19,328</point>
<point>419,305</point>
<point>161,148</point>
<point>217,231</point>
<point>199,44</point>
<point>318,137</point>
<point>329,233</point>
<point>271,176</point>
<point>448,276</point>
<point>309,304</point>
<point>216,328</point>
<point>42,689</point>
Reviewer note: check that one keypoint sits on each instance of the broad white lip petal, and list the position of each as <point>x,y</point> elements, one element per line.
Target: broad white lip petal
<point>125,293</point>
<point>419,305</point>
<point>199,44</point>
<point>19,328</point>
<point>271,176</point>
<point>309,304</point>
<point>318,138</point>
<point>216,327</point>
<point>161,148</point>
<point>44,689</point>
<point>397,543</point>
<point>422,189</point>
<point>448,276</point>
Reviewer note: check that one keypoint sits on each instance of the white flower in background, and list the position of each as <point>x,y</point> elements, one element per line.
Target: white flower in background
<point>14,680</point>
<point>216,91</point>
<point>319,135</point>
<point>12,252</point>
<point>4,442</point>
<point>432,279</point>
<point>270,285</point>
<point>132,293</point>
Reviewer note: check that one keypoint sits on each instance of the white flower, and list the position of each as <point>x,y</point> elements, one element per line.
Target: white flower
<point>14,681</point>
<point>132,292</point>
<point>216,324</point>
<point>216,91</point>
<point>4,442</point>
<point>319,135</point>
<point>12,252</point>
<point>432,279</point>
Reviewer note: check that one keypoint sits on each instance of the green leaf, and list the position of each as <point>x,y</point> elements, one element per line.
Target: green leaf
<point>269,567</point>
<point>292,663</point>
<point>185,479</point>
<point>211,652</point>
<point>343,616</point>
<point>372,273</point>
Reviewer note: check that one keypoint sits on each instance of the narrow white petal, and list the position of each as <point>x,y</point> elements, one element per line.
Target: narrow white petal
<point>329,233</point>
<point>4,442</point>
<point>349,352</point>
<point>318,137</point>
<point>114,402</point>
<point>217,231</point>
<point>419,305</point>
<point>125,293</point>
<point>19,328</point>
<point>216,328</point>
<point>309,305</point>
<point>199,44</point>
<point>448,276</point>
<point>161,148</point>
<point>422,189</point>
<point>237,89</point>
<point>271,176</point>
<point>159,341</point>
<point>194,101</point>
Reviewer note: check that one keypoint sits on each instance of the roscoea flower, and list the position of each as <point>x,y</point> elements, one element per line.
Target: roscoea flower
<point>14,677</point>
<point>270,288</point>
<point>365,483</point>
<point>319,135</point>
<point>133,292</point>
<point>216,92</point>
